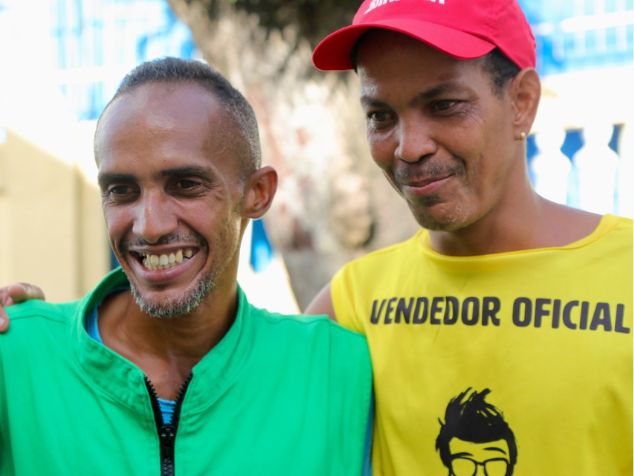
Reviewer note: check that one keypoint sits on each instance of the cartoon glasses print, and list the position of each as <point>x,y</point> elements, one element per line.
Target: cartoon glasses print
<point>462,466</point>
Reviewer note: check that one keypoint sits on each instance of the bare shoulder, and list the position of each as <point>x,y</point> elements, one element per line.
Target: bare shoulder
<point>322,304</point>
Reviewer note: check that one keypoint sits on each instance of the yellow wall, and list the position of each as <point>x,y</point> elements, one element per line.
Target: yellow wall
<point>51,225</point>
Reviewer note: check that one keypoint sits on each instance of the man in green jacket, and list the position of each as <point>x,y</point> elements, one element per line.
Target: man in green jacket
<point>165,368</point>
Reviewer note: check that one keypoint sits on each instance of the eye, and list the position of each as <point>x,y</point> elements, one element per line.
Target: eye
<point>379,118</point>
<point>187,187</point>
<point>120,193</point>
<point>119,190</point>
<point>445,104</point>
<point>186,184</point>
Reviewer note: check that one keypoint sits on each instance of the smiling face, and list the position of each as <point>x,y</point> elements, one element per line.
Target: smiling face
<point>171,194</point>
<point>443,138</point>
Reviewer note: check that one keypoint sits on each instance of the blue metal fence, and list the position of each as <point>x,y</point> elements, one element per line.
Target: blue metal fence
<point>96,42</point>
<point>578,35</point>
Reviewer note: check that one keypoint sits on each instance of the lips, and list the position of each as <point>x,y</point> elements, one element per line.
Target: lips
<point>425,181</point>
<point>425,185</point>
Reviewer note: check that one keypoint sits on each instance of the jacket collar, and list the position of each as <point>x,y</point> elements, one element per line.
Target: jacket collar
<point>123,381</point>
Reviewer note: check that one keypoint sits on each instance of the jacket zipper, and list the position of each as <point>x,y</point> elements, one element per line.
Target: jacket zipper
<point>167,431</point>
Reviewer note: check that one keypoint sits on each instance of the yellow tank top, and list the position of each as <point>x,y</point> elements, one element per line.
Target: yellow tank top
<point>520,363</point>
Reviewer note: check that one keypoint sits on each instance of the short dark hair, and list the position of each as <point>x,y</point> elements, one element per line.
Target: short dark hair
<point>499,67</point>
<point>170,70</point>
<point>474,420</point>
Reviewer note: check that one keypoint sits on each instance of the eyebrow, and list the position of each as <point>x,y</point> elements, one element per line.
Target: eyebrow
<point>367,101</point>
<point>442,88</point>
<point>493,448</point>
<point>191,170</point>
<point>461,454</point>
<point>106,178</point>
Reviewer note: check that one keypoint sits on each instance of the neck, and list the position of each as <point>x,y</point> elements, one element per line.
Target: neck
<point>525,221</point>
<point>167,349</point>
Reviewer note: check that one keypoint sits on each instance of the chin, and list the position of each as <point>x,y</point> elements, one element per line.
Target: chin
<point>436,225</point>
<point>442,220</point>
<point>171,307</point>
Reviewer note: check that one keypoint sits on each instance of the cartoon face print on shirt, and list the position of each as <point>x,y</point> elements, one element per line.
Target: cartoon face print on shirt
<point>475,439</point>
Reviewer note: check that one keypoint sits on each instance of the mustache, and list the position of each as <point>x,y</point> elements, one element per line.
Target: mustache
<point>172,238</point>
<point>422,170</point>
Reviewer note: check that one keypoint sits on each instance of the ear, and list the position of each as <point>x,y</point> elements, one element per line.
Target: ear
<point>525,95</point>
<point>259,191</point>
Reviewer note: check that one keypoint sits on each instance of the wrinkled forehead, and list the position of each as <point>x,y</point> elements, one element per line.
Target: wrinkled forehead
<point>388,61</point>
<point>379,45</point>
<point>185,111</point>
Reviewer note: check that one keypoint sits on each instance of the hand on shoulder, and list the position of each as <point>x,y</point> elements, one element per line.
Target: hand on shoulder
<point>14,294</point>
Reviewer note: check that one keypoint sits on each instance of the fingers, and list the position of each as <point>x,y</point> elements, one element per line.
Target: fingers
<point>21,292</point>
<point>13,294</point>
<point>5,297</point>
<point>4,321</point>
<point>5,300</point>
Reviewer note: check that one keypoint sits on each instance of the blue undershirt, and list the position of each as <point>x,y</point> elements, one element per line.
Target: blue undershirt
<point>92,327</point>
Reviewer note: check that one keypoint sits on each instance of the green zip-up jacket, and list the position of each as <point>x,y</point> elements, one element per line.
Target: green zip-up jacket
<point>279,395</point>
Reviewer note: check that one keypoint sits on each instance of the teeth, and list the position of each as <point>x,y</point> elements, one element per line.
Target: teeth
<point>154,262</point>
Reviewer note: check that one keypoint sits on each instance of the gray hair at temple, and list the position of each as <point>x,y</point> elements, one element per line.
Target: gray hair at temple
<point>174,71</point>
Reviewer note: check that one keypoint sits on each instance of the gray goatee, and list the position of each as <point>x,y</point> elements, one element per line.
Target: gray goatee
<point>175,307</point>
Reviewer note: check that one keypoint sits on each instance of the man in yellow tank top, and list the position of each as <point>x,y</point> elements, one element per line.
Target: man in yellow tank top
<point>501,333</point>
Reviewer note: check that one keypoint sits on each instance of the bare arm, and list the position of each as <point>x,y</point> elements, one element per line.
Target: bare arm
<point>322,304</point>
<point>13,294</point>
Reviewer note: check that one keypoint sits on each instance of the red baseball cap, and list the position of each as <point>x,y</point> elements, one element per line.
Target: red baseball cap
<point>464,29</point>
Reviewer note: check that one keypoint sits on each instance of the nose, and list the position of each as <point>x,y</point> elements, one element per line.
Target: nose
<point>153,217</point>
<point>414,140</point>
